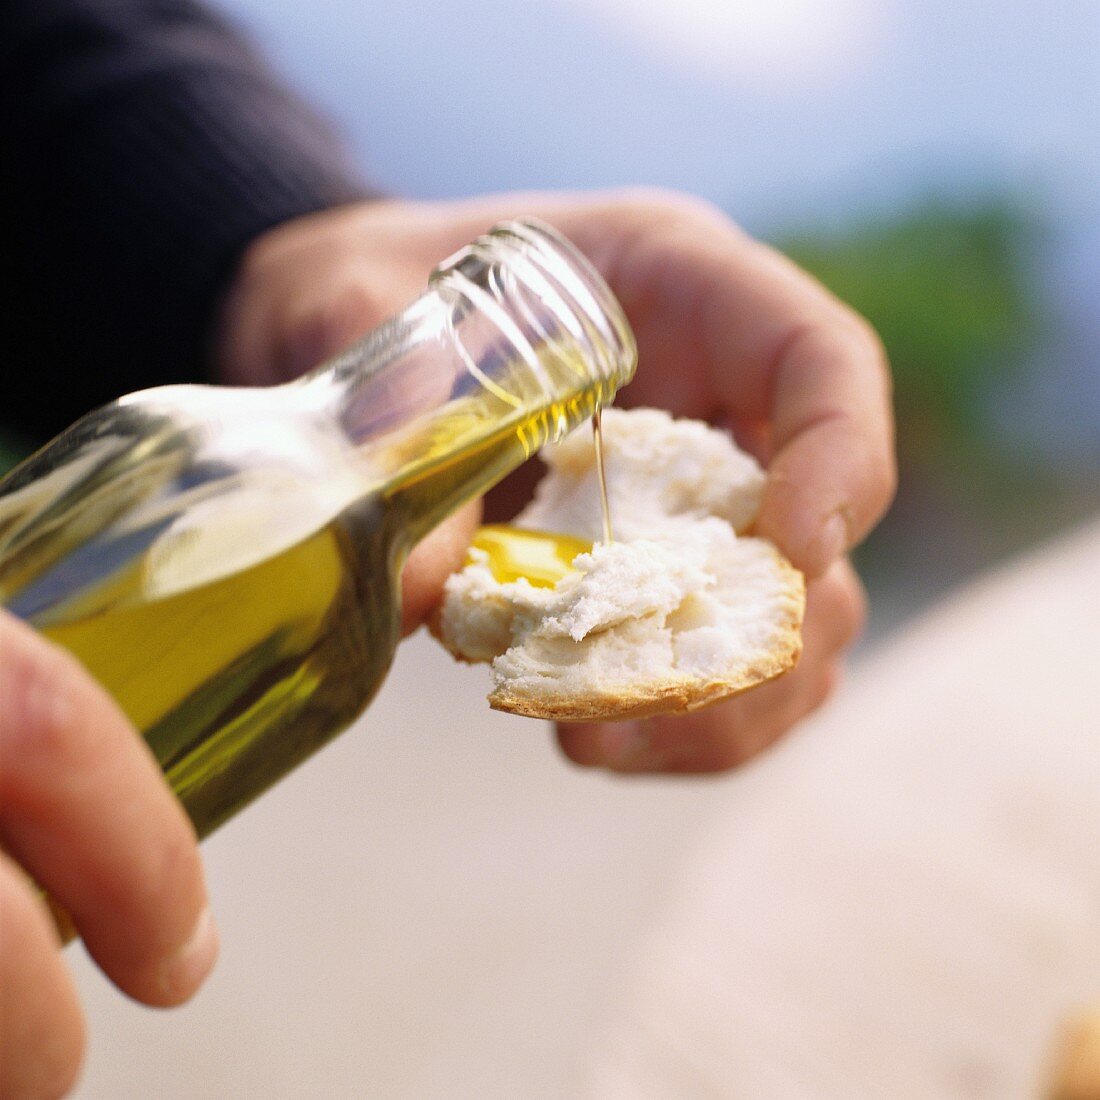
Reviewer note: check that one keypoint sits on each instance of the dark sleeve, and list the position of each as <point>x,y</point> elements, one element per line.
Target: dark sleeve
<point>142,145</point>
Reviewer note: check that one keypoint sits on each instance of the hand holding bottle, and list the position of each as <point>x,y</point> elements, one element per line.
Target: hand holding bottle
<point>84,809</point>
<point>728,330</point>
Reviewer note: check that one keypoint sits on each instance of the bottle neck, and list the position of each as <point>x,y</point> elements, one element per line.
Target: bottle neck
<point>516,342</point>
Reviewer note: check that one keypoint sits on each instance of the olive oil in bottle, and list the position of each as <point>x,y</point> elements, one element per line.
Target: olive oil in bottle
<point>226,562</point>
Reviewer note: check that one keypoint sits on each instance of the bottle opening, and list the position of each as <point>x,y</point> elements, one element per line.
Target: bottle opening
<point>536,324</point>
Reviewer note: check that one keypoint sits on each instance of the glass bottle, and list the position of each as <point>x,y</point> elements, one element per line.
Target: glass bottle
<point>226,561</point>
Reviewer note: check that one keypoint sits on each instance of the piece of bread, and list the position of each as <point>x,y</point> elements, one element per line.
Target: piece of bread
<point>678,612</point>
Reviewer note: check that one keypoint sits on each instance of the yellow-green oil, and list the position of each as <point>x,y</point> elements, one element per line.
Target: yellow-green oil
<point>541,557</point>
<point>235,682</point>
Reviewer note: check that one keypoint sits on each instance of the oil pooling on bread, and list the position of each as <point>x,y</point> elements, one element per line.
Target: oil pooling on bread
<point>682,610</point>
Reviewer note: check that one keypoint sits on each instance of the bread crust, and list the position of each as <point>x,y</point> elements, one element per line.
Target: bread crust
<point>674,695</point>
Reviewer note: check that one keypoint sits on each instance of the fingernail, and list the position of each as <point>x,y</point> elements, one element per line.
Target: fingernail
<point>832,542</point>
<point>183,972</point>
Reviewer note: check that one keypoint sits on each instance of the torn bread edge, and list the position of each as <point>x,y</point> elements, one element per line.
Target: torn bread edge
<point>680,612</point>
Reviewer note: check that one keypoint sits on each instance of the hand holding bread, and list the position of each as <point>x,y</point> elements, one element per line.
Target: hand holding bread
<point>681,610</point>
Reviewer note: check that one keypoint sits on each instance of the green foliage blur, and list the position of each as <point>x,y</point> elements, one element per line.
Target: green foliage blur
<point>953,290</point>
<point>947,288</point>
<point>10,453</point>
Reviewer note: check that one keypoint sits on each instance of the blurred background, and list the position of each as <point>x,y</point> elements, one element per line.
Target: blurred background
<point>938,165</point>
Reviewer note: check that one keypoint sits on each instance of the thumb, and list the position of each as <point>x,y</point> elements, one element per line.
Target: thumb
<point>432,561</point>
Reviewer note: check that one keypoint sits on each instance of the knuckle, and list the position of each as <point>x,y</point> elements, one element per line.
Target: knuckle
<point>851,337</point>
<point>863,344</point>
<point>179,863</point>
<point>652,208</point>
<point>353,307</point>
<point>866,335</point>
<point>859,334</point>
<point>164,883</point>
<point>883,467</point>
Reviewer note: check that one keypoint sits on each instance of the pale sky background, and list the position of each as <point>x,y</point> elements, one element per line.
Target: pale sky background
<point>758,105</point>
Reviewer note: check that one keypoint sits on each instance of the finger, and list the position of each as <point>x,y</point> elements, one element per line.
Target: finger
<point>85,810</point>
<point>431,562</point>
<point>728,734</point>
<point>41,1028</point>
<point>720,738</point>
<point>833,472</point>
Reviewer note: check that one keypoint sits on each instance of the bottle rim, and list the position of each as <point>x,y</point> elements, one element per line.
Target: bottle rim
<point>564,281</point>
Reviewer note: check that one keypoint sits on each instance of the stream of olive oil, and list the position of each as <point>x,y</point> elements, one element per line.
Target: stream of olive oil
<point>601,476</point>
<point>542,558</point>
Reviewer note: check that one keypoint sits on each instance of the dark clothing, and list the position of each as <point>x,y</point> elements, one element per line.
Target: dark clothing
<point>142,146</point>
